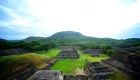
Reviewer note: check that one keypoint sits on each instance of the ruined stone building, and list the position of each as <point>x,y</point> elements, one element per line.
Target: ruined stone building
<point>94,52</point>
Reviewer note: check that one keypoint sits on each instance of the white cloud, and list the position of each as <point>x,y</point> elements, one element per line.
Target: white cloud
<point>100,18</point>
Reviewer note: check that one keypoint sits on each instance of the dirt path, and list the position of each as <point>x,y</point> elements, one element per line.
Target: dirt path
<point>79,71</point>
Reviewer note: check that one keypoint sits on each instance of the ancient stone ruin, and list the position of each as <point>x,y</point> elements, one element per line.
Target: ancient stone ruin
<point>68,53</point>
<point>97,71</point>
<point>130,49</point>
<point>129,64</point>
<point>47,75</point>
<point>50,62</point>
<point>93,52</point>
<point>93,71</point>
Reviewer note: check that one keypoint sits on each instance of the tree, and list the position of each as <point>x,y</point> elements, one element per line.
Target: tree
<point>111,52</point>
<point>106,47</point>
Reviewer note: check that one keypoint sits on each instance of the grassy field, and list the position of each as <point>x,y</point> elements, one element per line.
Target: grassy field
<point>68,66</point>
<point>90,58</point>
<point>49,53</point>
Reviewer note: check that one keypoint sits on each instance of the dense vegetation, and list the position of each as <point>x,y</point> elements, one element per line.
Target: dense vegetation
<point>68,38</point>
<point>31,46</point>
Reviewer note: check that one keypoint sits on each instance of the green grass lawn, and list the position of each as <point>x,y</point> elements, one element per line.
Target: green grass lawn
<point>90,58</point>
<point>68,66</point>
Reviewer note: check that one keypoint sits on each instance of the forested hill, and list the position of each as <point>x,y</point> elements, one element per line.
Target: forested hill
<point>72,38</point>
<point>67,38</point>
<point>58,36</point>
<point>76,38</point>
<point>32,38</point>
<point>67,34</point>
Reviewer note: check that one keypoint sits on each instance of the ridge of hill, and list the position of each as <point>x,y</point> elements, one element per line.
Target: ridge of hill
<point>33,38</point>
<point>76,38</point>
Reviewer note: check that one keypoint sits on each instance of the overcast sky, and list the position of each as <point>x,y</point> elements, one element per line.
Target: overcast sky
<point>98,18</point>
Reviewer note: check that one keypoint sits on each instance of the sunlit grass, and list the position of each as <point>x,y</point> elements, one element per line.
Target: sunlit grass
<point>36,59</point>
<point>92,59</point>
<point>49,53</point>
<point>68,66</point>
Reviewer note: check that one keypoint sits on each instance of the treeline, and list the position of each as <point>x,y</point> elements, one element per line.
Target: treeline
<point>126,43</point>
<point>30,46</point>
<point>93,43</point>
<point>75,38</point>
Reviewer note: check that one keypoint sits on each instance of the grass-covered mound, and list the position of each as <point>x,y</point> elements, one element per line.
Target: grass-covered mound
<point>11,63</point>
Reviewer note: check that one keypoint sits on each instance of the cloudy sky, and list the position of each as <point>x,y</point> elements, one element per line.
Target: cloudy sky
<point>99,18</point>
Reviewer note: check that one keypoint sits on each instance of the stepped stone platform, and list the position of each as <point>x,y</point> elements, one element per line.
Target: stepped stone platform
<point>128,64</point>
<point>47,75</point>
<point>93,52</point>
<point>93,71</point>
<point>68,54</point>
<point>97,71</point>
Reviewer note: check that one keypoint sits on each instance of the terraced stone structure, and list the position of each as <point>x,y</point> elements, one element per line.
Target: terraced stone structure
<point>68,53</point>
<point>93,71</point>
<point>93,52</point>
<point>129,64</point>
<point>50,62</point>
<point>97,71</point>
<point>47,75</point>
